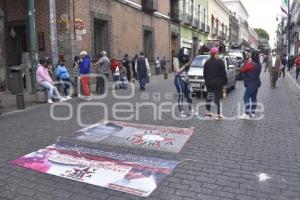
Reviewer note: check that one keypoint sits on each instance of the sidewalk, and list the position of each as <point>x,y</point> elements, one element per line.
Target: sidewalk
<point>8,102</point>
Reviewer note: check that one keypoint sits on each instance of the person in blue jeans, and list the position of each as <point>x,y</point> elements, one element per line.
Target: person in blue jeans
<point>181,65</point>
<point>63,75</point>
<point>252,82</point>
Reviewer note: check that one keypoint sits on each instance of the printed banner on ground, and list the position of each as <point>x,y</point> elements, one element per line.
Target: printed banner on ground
<point>169,139</point>
<point>128,173</point>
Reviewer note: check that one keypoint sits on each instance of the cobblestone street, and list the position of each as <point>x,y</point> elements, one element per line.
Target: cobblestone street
<point>222,160</point>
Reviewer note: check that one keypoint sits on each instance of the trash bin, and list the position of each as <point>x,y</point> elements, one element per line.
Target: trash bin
<point>16,86</point>
<point>16,80</point>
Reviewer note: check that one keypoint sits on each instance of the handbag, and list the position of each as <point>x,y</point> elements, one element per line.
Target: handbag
<point>185,79</point>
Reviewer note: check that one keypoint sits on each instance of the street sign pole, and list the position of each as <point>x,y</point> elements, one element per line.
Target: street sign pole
<point>32,39</point>
<point>53,32</point>
<point>288,27</point>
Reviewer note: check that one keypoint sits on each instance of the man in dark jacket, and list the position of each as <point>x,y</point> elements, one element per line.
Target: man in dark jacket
<point>252,83</point>
<point>133,66</point>
<point>126,64</point>
<point>291,61</point>
<point>215,79</point>
<point>142,69</point>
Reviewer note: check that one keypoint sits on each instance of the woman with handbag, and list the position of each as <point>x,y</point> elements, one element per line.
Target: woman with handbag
<point>181,67</point>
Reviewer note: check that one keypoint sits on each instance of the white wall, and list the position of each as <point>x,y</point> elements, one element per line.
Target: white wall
<point>216,9</point>
<point>242,15</point>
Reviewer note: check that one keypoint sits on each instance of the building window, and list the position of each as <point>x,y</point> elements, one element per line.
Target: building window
<point>41,41</point>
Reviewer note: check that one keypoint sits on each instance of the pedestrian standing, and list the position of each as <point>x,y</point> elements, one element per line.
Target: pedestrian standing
<point>76,73</point>
<point>297,62</point>
<point>115,67</point>
<point>157,66</point>
<point>273,65</point>
<point>181,65</point>
<point>44,79</point>
<point>63,75</point>
<point>283,66</point>
<point>102,67</point>
<point>163,64</point>
<point>85,70</point>
<point>291,61</point>
<point>215,79</point>
<point>126,64</point>
<point>133,60</point>
<point>142,69</point>
<point>252,83</point>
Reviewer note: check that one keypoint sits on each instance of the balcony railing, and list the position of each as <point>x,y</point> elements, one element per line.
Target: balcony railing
<point>215,32</point>
<point>202,27</point>
<point>207,29</point>
<point>150,6</point>
<point>176,13</point>
<point>187,19</point>
<point>195,23</point>
<point>222,35</point>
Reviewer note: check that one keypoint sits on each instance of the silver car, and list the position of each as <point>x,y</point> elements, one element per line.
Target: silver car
<point>197,68</point>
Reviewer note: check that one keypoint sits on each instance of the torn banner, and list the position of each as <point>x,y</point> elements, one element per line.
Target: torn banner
<point>128,173</point>
<point>169,139</point>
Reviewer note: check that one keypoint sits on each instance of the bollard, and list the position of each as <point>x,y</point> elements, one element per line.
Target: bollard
<point>165,75</point>
<point>20,102</point>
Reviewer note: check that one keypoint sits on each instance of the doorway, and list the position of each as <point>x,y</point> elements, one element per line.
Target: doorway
<point>174,49</point>
<point>101,37</point>
<point>148,44</point>
<point>17,44</point>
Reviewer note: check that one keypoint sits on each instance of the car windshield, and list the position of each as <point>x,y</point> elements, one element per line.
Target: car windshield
<point>199,61</point>
<point>237,54</point>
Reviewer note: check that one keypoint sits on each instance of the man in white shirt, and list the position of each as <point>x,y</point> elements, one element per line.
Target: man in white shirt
<point>273,65</point>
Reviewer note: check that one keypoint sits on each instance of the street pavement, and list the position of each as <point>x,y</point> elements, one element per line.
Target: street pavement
<point>223,160</point>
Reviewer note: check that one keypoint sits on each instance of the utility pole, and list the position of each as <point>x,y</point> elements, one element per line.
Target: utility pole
<point>32,38</point>
<point>53,32</point>
<point>288,27</point>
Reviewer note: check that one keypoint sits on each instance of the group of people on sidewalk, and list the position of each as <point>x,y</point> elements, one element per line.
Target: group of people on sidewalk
<point>121,74</point>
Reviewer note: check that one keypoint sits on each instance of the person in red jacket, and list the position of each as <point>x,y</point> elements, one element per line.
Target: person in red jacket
<point>297,62</point>
<point>115,64</point>
<point>251,71</point>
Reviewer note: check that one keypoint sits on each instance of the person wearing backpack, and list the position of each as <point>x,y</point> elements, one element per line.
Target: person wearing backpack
<point>283,66</point>
<point>297,62</point>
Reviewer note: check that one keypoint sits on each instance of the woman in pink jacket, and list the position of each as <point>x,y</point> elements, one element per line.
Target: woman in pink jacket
<point>43,78</point>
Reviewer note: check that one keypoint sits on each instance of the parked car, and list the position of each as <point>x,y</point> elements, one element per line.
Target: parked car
<point>197,68</point>
<point>240,56</point>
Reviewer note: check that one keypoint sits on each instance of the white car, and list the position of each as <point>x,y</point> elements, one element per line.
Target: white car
<point>197,68</point>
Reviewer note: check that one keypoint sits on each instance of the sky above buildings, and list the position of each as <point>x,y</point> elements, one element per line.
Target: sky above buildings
<point>263,14</point>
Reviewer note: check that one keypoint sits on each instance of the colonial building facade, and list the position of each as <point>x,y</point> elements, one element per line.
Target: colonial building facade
<point>117,26</point>
<point>234,29</point>
<point>218,17</point>
<point>295,28</point>
<point>242,15</point>
<point>193,24</point>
